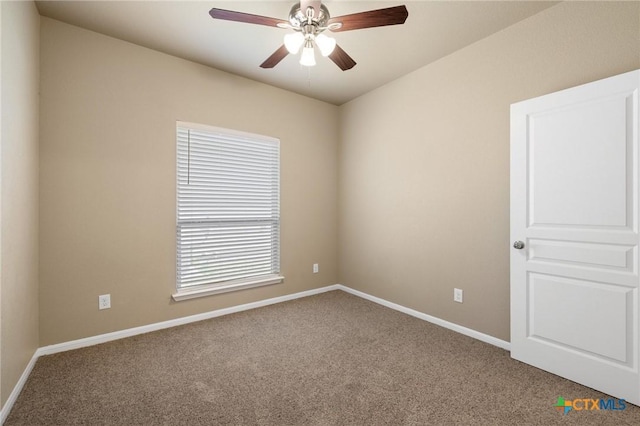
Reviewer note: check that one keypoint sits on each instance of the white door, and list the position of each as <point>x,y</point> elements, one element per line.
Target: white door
<point>574,208</point>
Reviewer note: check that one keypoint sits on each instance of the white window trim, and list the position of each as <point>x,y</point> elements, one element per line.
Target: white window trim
<point>231,286</point>
<point>234,285</point>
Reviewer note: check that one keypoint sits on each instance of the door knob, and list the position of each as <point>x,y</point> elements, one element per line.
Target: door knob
<point>518,245</point>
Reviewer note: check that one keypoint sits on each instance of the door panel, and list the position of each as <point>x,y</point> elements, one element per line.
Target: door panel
<point>598,320</point>
<point>574,204</point>
<point>608,256</point>
<point>578,158</point>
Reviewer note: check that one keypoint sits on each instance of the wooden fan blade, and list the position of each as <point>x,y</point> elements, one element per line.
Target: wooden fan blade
<point>372,18</point>
<point>342,59</point>
<point>276,57</point>
<point>230,15</point>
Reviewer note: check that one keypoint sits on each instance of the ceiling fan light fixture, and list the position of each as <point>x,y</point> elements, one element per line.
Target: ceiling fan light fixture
<point>325,44</point>
<point>293,42</point>
<point>308,58</point>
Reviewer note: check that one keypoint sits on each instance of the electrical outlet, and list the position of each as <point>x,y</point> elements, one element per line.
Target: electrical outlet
<point>457,295</point>
<point>104,301</point>
<point>315,268</point>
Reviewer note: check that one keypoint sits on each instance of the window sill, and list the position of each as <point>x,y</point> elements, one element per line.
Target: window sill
<point>225,288</point>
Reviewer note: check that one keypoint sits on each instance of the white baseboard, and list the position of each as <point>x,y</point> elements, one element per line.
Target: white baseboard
<point>446,324</point>
<point>6,408</point>
<point>103,338</point>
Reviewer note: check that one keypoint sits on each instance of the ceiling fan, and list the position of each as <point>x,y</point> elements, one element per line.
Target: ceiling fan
<point>309,19</point>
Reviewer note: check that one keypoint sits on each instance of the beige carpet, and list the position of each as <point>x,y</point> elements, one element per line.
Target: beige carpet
<point>330,359</point>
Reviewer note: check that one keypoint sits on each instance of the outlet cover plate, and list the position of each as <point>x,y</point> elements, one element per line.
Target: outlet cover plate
<point>457,295</point>
<point>104,301</point>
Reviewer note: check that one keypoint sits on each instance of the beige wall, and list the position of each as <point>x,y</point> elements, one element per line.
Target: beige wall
<point>19,190</point>
<point>107,179</point>
<point>424,160</point>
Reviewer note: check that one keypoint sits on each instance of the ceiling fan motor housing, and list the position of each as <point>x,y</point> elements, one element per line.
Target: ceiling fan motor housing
<point>300,20</point>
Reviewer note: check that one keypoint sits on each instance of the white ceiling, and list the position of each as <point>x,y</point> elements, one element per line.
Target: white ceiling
<point>433,30</point>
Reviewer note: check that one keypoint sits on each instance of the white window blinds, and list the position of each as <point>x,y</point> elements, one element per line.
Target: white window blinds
<point>228,207</point>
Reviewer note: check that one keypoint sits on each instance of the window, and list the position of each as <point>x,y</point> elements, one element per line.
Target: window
<point>228,210</point>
